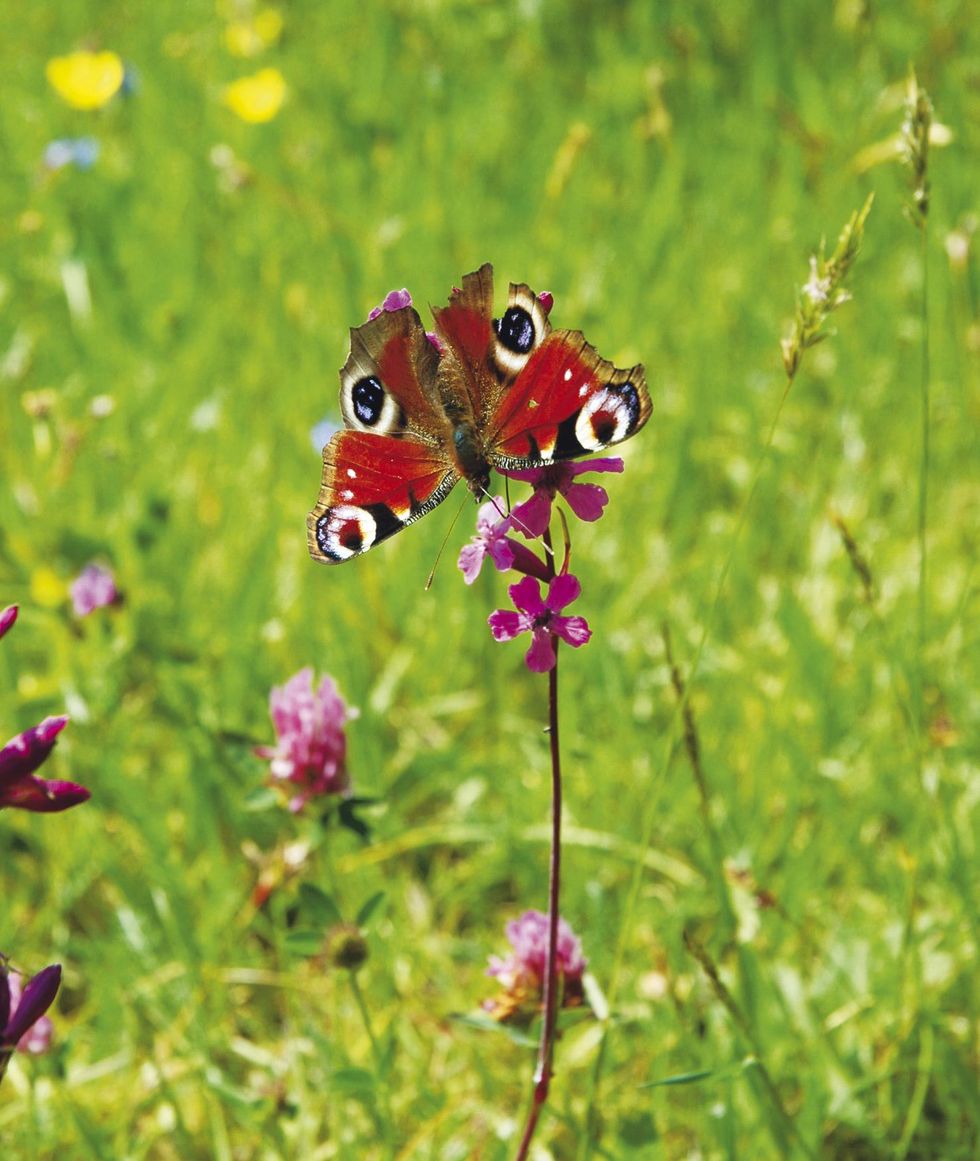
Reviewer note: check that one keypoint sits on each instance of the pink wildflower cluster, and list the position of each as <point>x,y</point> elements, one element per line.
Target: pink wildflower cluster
<point>310,753</point>
<point>540,615</point>
<point>522,973</point>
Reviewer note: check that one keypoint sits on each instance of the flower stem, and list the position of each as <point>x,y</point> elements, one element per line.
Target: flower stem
<point>923,468</point>
<point>385,1118</point>
<point>546,1047</point>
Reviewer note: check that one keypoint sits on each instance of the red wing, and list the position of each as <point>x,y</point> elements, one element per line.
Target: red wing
<point>566,402</point>
<point>465,323</point>
<point>373,486</point>
<point>387,385</point>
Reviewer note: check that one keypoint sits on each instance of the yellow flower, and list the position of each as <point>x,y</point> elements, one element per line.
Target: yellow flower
<point>47,588</point>
<point>249,37</point>
<point>86,80</point>
<point>257,98</point>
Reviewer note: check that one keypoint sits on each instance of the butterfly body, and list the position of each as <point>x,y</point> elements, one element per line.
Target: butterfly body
<point>423,412</point>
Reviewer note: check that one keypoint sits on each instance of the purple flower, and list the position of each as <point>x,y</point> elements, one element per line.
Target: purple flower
<point>491,540</point>
<point>23,1024</point>
<point>398,300</point>
<point>586,500</point>
<point>542,619</point>
<point>394,300</point>
<point>522,973</point>
<point>311,746</point>
<point>93,588</point>
<point>528,936</point>
<point>19,759</point>
<point>36,1037</point>
<point>7,618</point>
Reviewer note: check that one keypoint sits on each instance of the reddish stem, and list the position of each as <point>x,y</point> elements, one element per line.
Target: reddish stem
<point>542,1072</point>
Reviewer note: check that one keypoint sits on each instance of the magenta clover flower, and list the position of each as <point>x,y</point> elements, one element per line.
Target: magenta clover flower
<point>23,1024</point>
<point>542,619</point>
<point>93,588</point>
<point>587,501</point>
<point>522,973</point>
<point>20,757</point>
<point>311,746</point>
<point>528,936</point>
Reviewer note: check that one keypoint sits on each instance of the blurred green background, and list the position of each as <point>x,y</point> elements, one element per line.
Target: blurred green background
<point>171,320</point>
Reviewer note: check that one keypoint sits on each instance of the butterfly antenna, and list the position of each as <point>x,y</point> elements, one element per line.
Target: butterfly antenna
<point>442,547</point>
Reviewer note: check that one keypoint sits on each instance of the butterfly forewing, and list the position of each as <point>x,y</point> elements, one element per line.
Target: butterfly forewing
<point>387,385</point>
<point>373,486</point>
<point>566,402</point>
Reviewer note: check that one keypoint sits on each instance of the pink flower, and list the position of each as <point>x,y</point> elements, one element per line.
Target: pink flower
<point>37,1038</point>
<point>522,973</point>
<point>93,588</point>
<point>19,759</point>
<point>528,936</point>
<point>586,500</point>
<point>23,1024</point>
<point>394,300</point>
<point>398,300</point>
<point>311,747</point>
<point>492,540</point>
<point>542,619</point>
<point>7,618</point>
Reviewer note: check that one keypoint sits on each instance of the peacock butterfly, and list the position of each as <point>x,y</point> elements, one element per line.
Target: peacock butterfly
<point>425,411</point>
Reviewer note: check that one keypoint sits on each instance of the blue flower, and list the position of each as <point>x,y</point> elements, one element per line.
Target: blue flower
<point>82,152</point>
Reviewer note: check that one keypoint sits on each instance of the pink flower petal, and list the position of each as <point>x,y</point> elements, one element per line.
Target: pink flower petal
<point>532,517</point>
<point>541,656</point>
<point>600,464</point>
<point>526,595</point>
<point>586,500</point>
<point>564,589</point>
<point>501,553</point>
<point>574,630</point>
<point>7,618</point>
<point>471,561</point>
<point>397,300</point>
<point>505,624</point>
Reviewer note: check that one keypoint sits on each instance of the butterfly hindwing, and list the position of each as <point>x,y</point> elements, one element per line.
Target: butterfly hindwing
<point>373,486</point>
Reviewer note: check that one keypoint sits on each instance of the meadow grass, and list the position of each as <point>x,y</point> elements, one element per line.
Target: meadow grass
<point>795,974</point>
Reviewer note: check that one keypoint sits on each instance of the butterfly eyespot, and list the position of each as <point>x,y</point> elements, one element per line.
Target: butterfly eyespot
<point>608,417</point>
<point>368,396</point>
<point>344,531</point>
<point>515,330</point>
